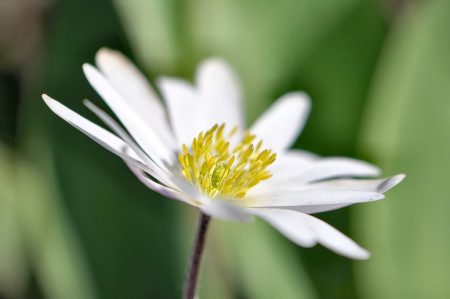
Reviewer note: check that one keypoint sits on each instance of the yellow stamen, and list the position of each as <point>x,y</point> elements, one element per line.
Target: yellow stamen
<point>217,170</point>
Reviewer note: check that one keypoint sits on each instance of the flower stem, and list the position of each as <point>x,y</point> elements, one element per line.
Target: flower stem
<point>194,266</point>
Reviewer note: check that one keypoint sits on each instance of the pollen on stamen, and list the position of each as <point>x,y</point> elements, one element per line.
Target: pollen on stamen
<point>218,170</point>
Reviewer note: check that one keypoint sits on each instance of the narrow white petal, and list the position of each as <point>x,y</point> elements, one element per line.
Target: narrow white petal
<point>158,171</point>
<point>289,224</point>
<point>285,165</point>
<point>220,93</point>
<point>377,185</point>
<point>163,190</point>
<point>144,135</point>
<point>325,168</point>
<point>292,161</point>
<point>374,185</point>
<point>290,198</point>
<point>185,109</point>
<point>134,87</point>
<point>306,231</point>
<point>108,140</point>
<point>334,240</point>
<point>281,124</point>
<point>222,209</point>
<point>317,209</point>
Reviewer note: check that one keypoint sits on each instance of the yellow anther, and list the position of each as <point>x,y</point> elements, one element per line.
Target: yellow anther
<point>233,131</point>
<point>217,170</point>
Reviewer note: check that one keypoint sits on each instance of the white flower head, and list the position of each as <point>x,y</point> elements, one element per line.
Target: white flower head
<point>195,148</point>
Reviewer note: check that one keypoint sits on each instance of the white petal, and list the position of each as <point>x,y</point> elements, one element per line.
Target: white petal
<point>222,209</point>
<point>163,190</point>
<point>306,231</point>
<point>286,163</point>
<point>220,93</point>
<point>134,87</point>
<point>185,109</point>
<point>289,224</point>
<point>292,161</point>
<point>290,198</point>
<point>379,185</point>
<point>325,168</point>
<point>374,185</point>
<point>281,124</point>
<point>144,135</point>
<point>317,209</point>
<point>108,140</point>
<point>158,171</point>
<point>334,240</point>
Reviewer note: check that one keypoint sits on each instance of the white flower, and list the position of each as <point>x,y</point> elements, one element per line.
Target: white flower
<point>206,172</point>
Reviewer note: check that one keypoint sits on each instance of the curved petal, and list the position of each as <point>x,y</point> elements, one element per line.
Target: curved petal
<point>157,171</point>
<point>285,164</point>
<point>103,137</point>
<point>220,93</point>
<point>185,109</point>
<point>222,209</point>
<point>289,224</point>
<point>374,185</point>
<point>144,135</point>
<point>290,198</point>
<point>306,231</point>
<point>108,140</point>
<point>135,88</point>
<point>325,168</point>
<point>281,124</point>
<point>291,161</point>
<point>163,190</point>
<point>317,209</point>
<point>334,240</point>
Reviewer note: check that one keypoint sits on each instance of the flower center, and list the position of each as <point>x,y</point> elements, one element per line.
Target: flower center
<point>217,170</point>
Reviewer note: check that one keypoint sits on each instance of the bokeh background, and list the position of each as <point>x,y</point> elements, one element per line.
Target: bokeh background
<point>75,223</point>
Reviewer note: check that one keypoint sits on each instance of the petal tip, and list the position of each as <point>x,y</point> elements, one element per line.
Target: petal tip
<point>45,97</point>
<point>391,182</point>
<point>107,55</point>
<point>49,101</point>
<point>86,66</point>
<point>400,177</point>
<point>214,61</point>
<point>87,103</point>
<point>215,67</point>
<point>298,98</point>
<point>378,196</point>
<point>362,254</point>
<point>105,51</point>
<point>89,69</point>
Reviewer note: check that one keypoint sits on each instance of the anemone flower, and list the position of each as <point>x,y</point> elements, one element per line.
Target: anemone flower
<point>194,146</point>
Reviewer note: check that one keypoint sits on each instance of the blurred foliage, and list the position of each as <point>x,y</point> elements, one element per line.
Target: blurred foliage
<point>74,223</point>
<point>120,231</point>
<point>407,129</point>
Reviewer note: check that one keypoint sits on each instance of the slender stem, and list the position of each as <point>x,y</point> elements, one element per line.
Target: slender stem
<point>194,266</point>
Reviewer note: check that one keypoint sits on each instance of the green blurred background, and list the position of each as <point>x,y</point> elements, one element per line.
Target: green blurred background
<point>75,223</point>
